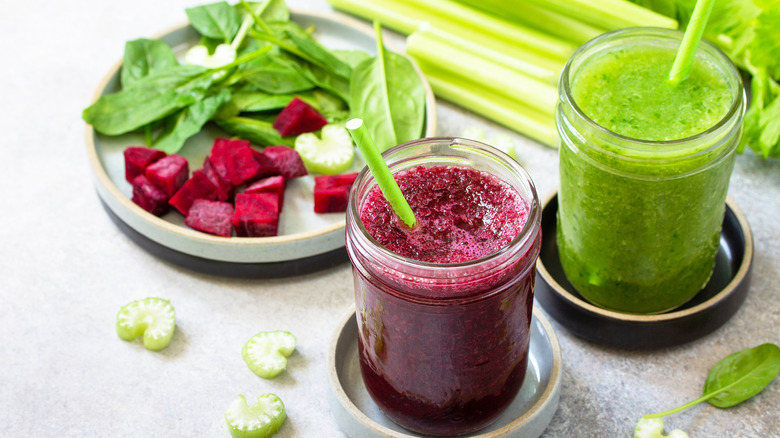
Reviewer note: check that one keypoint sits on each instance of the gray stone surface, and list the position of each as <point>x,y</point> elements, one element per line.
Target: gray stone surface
<point>66,269</point>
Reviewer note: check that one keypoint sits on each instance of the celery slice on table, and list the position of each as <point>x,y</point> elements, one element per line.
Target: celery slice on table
<point>154,318</point>
<point>259,421</point>
<point>654,428</point>
<point>266,353</point>
<point>502,142</point>
<point>331,154</point>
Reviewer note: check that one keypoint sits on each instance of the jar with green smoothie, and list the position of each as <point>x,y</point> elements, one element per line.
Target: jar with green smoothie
<point>644,168</point>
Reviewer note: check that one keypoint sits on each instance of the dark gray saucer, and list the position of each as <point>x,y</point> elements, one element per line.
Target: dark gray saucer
<point>708,310</point>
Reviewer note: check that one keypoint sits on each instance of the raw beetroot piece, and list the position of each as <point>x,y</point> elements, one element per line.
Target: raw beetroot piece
<point>138,158</point>
<point>331,192</point>
<point>169,173</point>
<point>213,217</point>
<point>224,189</point>
<point>149,197</point>
<point>256,215</point>
<point>298,117</point>
<point>223,156</point>
<point>267,166</point>
<point>286,161</point>
<point>272,184</point>
<point>197,187</point>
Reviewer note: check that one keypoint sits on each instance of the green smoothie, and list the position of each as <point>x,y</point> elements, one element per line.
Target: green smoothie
<point>645,168</point>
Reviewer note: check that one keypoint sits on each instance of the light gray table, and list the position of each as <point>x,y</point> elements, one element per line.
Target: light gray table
<point>66,269</point>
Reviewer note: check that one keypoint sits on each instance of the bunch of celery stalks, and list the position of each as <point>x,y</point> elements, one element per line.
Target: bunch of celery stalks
<point>500,58</point>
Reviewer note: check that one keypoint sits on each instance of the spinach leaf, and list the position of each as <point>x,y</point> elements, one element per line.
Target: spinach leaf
<point>257,101</point>
<point>150,98</point>
<point>742,375</point>
<point>144,56</point>
<point>331,107</point>
<point>323,78</point>
<point>389,96</point>
<point>310,49</point>
<point>189,121</point>
<point>275,74</point>
<point>351,57</point>
<point>736,378</point>
<point>272,10</point>
<point>257,131</point>
<point>216,20</point>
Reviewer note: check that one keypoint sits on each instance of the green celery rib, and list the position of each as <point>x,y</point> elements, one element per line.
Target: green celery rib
<point>545,20</point>
<point>387,14</point>
<point>490,75</point>
<point>406,16</point>
<point>609,14</point>
<point>528,63</point>
<point>500,109</point>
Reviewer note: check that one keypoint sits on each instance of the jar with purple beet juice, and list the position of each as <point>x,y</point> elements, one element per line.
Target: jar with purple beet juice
<point>444,309</point>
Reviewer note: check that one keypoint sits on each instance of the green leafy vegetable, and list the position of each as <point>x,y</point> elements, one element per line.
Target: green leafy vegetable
<point>257,131</point>
<point>216,20</point>
<point>152,318</point>
<point>261,420</point>
<point>144,56</point>
<point>189,122</point>
<point>266,352</point>
<point>734,379</point>
<point>250,62</point>
<point>389,96</point>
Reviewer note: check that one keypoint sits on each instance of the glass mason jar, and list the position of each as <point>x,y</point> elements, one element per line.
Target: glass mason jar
<point>639,221</point>
<point>444,346</point>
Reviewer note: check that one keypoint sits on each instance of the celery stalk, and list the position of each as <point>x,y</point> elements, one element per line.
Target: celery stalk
<point>537,17</point>
<point>609,14</point>
<point>528,63</point>
<point>388,14</point>
<point>487,23</point>
<point>498,108</point>
<point>496,77</point>
<point>469,23</point>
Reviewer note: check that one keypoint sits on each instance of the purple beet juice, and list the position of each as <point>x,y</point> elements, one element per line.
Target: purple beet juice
<point>444,309</point>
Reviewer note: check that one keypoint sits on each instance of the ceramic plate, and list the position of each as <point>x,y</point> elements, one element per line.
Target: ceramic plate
<point>527,417</point>
<point>709,309</point>
<point>303,235</point>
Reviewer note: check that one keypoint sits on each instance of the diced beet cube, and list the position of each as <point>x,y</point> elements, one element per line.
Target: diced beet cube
<point>169,173</point>
<point>256,215</point>
<point>298,117</point>
<point>224,189</point>
<point>213,217</point>
<point>138,158</point>
<point>149,197</point>
<point>286,161</point>
<point>267,166</point>
<point>331,192</point>
<point>272,184</point>
<point>197,187</point>
<point>222,152</point>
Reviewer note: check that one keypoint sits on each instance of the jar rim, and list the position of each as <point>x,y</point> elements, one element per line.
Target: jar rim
<point>523,240</point>
<point>675,145</point>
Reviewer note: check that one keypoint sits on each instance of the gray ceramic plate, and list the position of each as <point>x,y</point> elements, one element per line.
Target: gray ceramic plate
<point>527,417</point>
<point>303,235</point>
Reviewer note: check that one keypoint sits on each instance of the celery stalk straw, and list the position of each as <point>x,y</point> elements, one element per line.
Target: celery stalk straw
<point>693,33</point>
<point>378,167</point>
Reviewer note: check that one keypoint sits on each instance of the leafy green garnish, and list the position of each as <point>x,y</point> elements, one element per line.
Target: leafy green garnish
<point>387,96</point>
<point>216,20</point>
<point>144,56</point>
<point>731,381</point>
